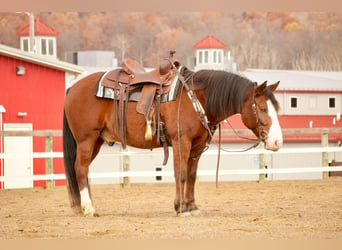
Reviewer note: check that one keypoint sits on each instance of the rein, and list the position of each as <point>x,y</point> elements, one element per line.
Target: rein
<point>196,104</point>
<point>263,135</point>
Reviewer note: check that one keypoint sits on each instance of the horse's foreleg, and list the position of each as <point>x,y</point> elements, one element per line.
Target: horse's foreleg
<point>85,154</point>
<point>180,159</point>
<point>190,186</point>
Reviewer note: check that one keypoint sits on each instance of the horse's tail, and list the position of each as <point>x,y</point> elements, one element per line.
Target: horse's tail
<point>69,151</point>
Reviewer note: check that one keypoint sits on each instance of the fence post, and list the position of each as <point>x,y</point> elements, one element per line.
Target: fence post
<point>325,155</point>
<point>126,167</point>
<point>262,177</point>
<point>48,161</point>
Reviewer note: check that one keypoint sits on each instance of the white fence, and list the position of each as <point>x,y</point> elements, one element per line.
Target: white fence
<point>49,155</point>
<point>121,174</point>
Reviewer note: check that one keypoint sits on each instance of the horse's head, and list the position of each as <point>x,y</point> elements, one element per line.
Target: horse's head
<point>259,113</point>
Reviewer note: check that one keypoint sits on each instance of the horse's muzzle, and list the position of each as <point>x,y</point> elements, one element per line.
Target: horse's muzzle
<point>273,145</point>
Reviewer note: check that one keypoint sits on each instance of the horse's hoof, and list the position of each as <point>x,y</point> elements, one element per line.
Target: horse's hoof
<point>184,214</point>
<point>90,214</point>
<point>196,212</point>
<point>89,210</point>
<point>76,209</point>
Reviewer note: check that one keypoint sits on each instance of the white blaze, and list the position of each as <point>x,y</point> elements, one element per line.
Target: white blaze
<point>275,136</point>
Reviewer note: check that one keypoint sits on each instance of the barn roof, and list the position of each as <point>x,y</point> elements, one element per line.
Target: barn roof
<point>301,81</point>
<point>40,28</point>
<point>210,42</point>
<point>41,60</point>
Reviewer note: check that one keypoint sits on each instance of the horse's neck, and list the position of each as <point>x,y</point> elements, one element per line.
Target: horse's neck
<point>213,120</point>
<point>235,107</point>
<point>217,120</point>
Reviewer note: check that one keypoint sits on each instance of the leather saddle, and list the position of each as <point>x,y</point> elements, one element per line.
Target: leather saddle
<point>131,76</point>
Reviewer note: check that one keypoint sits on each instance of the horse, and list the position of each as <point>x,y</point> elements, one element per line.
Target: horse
<point>88,124</point>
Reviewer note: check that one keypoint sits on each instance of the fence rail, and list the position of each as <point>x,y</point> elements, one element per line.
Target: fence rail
<point>208,152</point>
<point>122,174</point>
<point>226,131</point>
<point>49,155</point>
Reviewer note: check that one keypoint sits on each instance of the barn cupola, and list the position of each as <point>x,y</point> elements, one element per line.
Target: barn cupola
<point>41,41</point>
<point>210,53</point>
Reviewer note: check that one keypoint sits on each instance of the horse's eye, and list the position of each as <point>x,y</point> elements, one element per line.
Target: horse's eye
<point>263,110</point>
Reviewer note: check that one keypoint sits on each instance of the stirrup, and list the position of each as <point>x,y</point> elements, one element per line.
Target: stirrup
<point>148,132</point>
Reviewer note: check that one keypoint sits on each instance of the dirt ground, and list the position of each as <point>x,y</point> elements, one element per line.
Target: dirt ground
<point>235,210</point>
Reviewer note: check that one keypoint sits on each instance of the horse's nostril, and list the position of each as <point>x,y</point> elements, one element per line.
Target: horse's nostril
<point>273,146</point>
<point>278,143</point>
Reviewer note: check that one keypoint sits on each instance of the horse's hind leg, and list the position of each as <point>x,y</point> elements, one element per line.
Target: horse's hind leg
<point>86,152</point>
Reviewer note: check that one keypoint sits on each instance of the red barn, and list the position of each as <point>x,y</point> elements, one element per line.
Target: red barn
<point>32,89</point>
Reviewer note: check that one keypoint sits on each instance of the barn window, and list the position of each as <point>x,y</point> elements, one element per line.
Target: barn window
<point>206,56</point>
<point>25,44</point>
<point>331,102</point>
<point>200,55</point>
<point>293,102</point>
<point>51,50</point>
<point>47,46</point>
<point>214,57</point>
<point>219,57</point>
<point>43,43</point>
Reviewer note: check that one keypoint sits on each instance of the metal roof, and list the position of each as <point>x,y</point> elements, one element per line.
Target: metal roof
<point>292,80</point>
<point>40,28</point>
<point>210,42</point>
<point>41,60</point>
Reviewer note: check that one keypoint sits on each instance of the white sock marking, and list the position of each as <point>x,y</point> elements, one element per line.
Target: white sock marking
<point>86,203</point>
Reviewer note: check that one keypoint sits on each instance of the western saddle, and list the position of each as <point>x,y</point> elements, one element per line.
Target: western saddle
<point>153,84</point>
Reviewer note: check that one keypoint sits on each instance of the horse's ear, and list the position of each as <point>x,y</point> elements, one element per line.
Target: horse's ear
<point>274,86</point>
<point>260,89</point>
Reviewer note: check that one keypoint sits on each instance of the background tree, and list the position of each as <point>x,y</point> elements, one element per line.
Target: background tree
<point>282,40</point>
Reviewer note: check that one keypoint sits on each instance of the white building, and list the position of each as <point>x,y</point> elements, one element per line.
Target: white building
<point>44,39</point>
<point>210,54</point>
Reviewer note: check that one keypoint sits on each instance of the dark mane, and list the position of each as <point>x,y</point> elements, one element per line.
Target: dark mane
<point>225,92</point>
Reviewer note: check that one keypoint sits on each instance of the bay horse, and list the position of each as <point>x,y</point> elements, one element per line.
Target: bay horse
<point>88,123</point>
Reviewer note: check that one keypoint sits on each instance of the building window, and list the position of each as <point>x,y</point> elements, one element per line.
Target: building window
<point>51,50</point>
<point>47,47</point>
<point>206,56</point>
<point>43,43</point>
<point>293,102</point>
<point>214,57</point>
<point>200,55</point>
<point>220,57</point>
<point>25,44</point>
<point>331,102</point>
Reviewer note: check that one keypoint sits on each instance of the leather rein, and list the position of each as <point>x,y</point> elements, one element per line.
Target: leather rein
<point>263,135</point>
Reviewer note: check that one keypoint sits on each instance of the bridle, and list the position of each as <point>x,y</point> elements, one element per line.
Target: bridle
<point>263,134</point>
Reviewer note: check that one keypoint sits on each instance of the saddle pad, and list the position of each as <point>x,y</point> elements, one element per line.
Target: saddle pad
<point>108,93</point>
